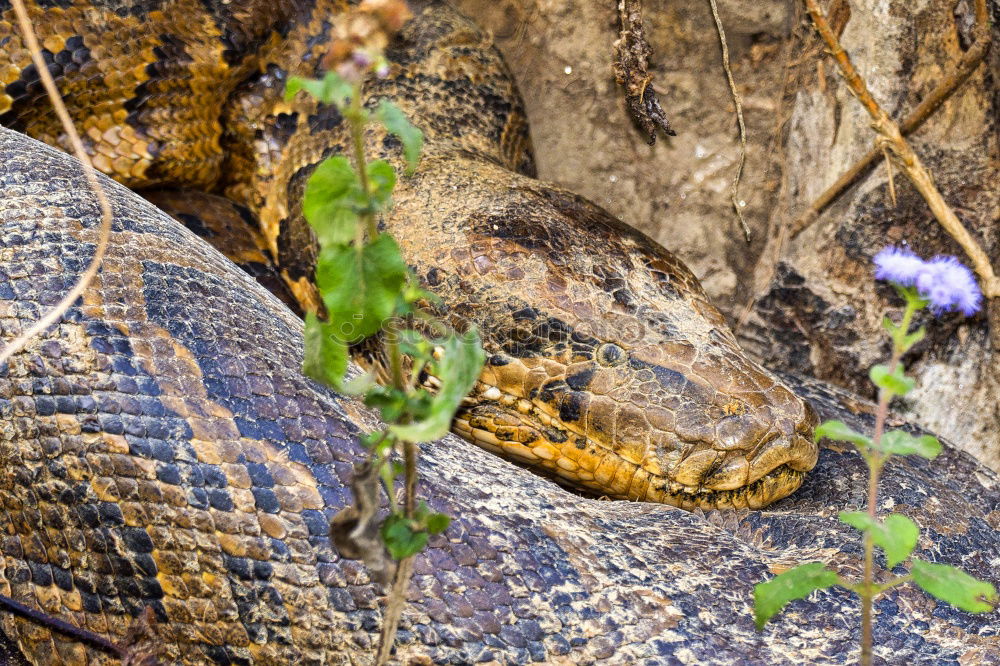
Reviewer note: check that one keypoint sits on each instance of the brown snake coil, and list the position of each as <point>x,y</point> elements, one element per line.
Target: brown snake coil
<point>610,370</point>
<point>161,450</point>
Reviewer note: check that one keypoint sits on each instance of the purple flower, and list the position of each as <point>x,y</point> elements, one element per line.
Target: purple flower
<point>362,59</point>
<point>899,266</point>
<point>944,281</point>
<point>949,285</point>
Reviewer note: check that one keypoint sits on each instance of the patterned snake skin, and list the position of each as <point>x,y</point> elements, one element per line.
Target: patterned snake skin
<point>163,451</point>
<point>608,368</point>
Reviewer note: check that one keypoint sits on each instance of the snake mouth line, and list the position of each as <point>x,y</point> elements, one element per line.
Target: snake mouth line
<point>519,430</point>
<point>776,484</point>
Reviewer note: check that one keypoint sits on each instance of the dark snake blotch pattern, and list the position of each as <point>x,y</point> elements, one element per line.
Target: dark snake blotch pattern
<point>203,491</point>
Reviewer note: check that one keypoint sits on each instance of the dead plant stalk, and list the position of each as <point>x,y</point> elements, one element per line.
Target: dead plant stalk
<point>104,233</point>
<point>967,64</point>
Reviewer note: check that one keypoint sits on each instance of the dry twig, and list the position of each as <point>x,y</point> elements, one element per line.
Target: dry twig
<point>53,315</point>
<point>735,191</point>
<point>144,657</point>
<point>61,626</point>
<point>968,63</point>
<point>631,68</point>
<point>905,158</point>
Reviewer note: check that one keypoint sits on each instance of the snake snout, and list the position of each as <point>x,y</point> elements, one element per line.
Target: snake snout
<point>787,442</point>
<point>753,444</point>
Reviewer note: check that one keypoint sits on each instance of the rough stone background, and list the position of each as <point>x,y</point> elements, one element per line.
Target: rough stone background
<point>806,304</point>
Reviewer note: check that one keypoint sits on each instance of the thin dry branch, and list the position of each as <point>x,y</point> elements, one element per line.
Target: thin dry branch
<point>53,315</point>
<point>735,190</point>
<point>60,626</point>
<point>967,64</point>
<point>631,67</point>
<point>905,158</point>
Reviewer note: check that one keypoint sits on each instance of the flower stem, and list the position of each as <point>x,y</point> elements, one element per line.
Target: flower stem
<point>356,119</point>
<point>876,460</point>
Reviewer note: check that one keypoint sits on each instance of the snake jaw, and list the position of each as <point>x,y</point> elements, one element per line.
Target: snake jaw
<point>772,466</point>
<point>687,475</point>
<point>771,487</point>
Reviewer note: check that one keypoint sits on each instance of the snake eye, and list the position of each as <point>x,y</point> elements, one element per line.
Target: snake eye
<point>610,354</point>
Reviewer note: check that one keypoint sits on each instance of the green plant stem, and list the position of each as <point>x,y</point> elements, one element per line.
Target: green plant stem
<point>396,598</point>
<point>410,462</point>
<point>356,119</point>
<point>397,595</point>
<point>876,460</point>
<point>866,591</point>
<point>391,342</point>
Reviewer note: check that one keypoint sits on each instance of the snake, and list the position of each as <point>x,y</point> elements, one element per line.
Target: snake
<point>610,371</point>
<point>163,452</point>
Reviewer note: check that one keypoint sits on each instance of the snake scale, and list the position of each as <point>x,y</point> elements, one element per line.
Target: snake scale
<point>162,451</point>
<point>609,370</point>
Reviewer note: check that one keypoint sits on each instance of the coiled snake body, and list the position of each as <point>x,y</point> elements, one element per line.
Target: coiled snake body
<point>161,450</point>
<point>608,369</point>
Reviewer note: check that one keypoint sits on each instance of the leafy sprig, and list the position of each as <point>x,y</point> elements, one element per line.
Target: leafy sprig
<point>371,297</point>
<point>939,284</point>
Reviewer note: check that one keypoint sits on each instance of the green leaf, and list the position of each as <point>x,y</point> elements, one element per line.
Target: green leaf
<point>457,370</point>
<point>360,289</point>
<point>395,404</point>
<point>359,385</point>
<point>902,443</point>
<point>381,180</point>
<point>325,354</point>
<point>911,296</point>
<point>437,523</point>
<point>395,122</point>
<point>333,200</point>
<point>839,431</point>
<point>421,512</point>
<point>895,382</point>
<point>891,326</point>
<point>897,536</point>
<point>413,292</point>
<point>416,345</point>
<point>953,585</point>
<point>387,472</point>
<point>913,338</point>
<point>400,539</point>
<point>798,583</point>
<point>390,401</point>
<point>331,89</point>
<point>373,439</point>
<point>900,337</point>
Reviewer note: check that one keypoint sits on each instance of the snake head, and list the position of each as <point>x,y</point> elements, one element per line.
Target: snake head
<point>689,424</point>
<point>609,369</point>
